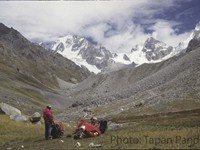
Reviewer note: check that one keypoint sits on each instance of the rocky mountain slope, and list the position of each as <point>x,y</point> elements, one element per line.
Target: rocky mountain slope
<point>28,72</point>
<point>35,62</point>
<point>174,81</point>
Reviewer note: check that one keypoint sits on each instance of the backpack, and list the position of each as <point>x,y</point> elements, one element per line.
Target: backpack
<point>57,130</point>
<point>78,134</point>
<point>103,125</point>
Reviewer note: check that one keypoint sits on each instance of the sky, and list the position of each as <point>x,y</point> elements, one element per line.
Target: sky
<point>117,25</point>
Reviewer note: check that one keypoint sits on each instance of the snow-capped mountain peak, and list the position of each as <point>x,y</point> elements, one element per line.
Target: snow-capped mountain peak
<point>153,45</point>
<point>195,39</point>
<point>98,58</point>
<point>155,49</point>
<point>183,45</point>
<point>196,33</point>
<point>82,52</point>
<point>197,28</point>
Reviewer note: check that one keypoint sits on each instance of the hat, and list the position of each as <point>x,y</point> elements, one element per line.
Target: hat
<point>49,106</point>
<point>83,128</point>
<point>94,118</point>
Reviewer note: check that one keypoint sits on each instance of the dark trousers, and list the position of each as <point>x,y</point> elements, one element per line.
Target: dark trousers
<point>47,129</point>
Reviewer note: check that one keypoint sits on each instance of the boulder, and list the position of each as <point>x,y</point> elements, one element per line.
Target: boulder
<point>114,125</point>
<point>9,110</point>
<point>19,118</point>
<point>14,113</point>
<point>36,117</point>
<point>1,111</point>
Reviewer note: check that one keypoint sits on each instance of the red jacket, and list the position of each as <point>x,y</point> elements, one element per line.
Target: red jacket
<point>89,128</point>
<point>48,115</point>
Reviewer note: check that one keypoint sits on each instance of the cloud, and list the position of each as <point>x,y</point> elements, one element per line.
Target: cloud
<point>117,25</point>
<point>166,31</point>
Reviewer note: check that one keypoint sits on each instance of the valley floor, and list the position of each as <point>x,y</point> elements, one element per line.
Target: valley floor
<point>174,130</point>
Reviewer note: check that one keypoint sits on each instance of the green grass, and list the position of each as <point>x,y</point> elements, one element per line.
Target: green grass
<point>165,130</point>
<point>12,131</point>
<point>6,70</point>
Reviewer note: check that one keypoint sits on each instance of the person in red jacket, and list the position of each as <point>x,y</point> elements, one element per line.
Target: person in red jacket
<point>87,129</point>
<point>49,121</point>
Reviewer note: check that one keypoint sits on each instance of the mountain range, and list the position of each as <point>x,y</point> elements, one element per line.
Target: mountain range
<point>167,86</point>
<point>32,76</point>
<point>99,59</point>
<point>155,99</point>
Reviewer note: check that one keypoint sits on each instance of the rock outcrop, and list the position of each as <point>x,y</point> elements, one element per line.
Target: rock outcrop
<point>12,112</point>
<point>36,117</point>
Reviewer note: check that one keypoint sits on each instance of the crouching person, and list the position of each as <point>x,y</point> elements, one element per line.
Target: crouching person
<point>86,130</point>
<point>101,124</point>
<point>49,121</point>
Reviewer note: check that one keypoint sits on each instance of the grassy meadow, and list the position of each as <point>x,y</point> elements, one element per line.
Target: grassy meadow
<point>175,130</point>
<point>12,132</point>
